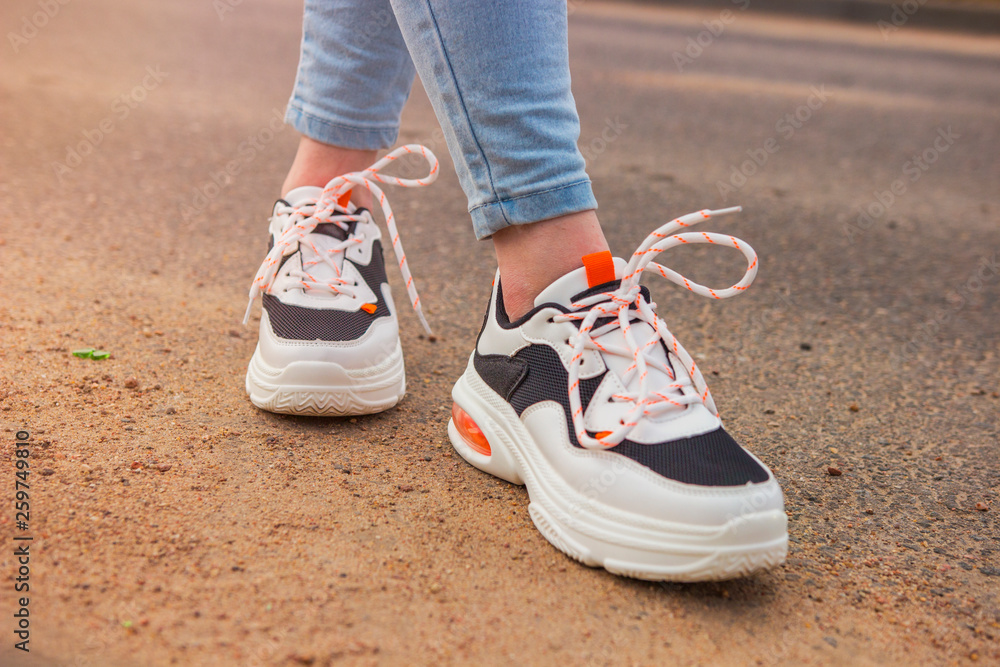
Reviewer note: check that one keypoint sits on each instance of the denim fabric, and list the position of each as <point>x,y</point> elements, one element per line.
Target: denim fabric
<point>497,74</point>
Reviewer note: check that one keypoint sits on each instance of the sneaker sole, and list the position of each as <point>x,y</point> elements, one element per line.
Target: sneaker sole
<point>326,389</point>
<point>620,542</point>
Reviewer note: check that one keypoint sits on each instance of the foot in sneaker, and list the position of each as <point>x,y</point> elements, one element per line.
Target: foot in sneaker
<point>329,337</point>
<point>592,403</point>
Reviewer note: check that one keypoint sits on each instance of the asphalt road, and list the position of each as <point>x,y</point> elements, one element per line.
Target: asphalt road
<point>175,524</point>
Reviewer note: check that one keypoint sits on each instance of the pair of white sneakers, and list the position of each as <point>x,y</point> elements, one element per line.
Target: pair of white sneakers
<point>588,399</point>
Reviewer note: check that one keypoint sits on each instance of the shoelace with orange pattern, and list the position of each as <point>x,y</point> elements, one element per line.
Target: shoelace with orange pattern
<point>646,400</point>
<point>339,215</point>
<point>332,206</point>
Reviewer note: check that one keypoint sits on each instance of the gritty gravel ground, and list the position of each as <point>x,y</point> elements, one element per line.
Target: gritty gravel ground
<point>173,523</point>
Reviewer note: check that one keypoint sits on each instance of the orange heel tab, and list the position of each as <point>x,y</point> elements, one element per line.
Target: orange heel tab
<point>600,268</point>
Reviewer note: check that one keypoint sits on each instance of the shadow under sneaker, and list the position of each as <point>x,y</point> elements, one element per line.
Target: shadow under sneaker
<point>592,403</point>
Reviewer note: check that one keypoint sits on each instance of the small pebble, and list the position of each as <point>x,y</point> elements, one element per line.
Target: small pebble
<point>171,410</point>
<point>135,465</point>
<point>834,472</point>
<point>982,507</point>
<point>131,383</point>
<point>805,346</point>
<point>47,471</point>
<point>405,488</point>
<point>853,407</point>
<point>163,467</point>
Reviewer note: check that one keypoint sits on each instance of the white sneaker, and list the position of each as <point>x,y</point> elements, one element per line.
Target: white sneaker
<point>329,337</point>
<point>592,403</point>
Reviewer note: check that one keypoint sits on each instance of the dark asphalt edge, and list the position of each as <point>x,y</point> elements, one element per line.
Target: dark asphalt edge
<point>887,16</point>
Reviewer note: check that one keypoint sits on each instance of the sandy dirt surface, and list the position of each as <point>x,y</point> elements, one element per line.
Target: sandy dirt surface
<point>173,523</point>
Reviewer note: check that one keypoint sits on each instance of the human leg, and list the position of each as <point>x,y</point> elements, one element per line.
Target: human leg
<point>353,78</point>
<point>511,124</point>
<point>329,341</point>
<point>576,387</point>
<point>316,164</point>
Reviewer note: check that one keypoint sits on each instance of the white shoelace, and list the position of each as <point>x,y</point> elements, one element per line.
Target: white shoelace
<point>646,400</point>
<point>327,209</point>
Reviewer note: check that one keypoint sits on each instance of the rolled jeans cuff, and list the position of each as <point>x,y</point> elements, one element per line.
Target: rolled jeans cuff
<point>491,217</point>
<point>337,134</point>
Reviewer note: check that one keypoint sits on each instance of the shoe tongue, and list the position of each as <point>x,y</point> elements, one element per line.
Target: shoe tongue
<point>310,193</point>
<point>601,274</point>
<point>303,194</point>
<point>324,237</point>
<point>595,272</point>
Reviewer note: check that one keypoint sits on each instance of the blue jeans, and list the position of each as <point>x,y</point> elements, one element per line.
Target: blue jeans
<point>496,72</point>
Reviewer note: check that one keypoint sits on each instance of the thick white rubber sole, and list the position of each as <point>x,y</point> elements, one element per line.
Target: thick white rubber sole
<point>643,549</point>
<point>326,389</point>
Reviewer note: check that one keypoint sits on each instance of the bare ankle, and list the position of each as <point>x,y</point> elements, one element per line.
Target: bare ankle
<point>317,164</point>
<point>531,257</point>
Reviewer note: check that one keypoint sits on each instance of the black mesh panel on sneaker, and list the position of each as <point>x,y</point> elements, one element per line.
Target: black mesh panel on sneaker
<point>547,380</point>
<point>710,459</point>
<point>500,373</point>
<point>301,323</point>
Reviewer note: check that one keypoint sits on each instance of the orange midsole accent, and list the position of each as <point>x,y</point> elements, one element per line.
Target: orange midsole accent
<point>470,431</point>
